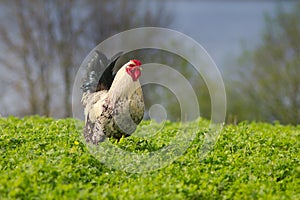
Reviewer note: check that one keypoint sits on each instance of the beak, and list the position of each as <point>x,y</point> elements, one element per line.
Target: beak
<point>141,69</point>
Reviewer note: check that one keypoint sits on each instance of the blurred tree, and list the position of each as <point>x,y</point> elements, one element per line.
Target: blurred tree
<point>28,52</point>
<point>269,88</point>
<point>45,42</point>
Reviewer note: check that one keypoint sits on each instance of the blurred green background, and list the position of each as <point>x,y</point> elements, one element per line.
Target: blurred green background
<point>256,46</point>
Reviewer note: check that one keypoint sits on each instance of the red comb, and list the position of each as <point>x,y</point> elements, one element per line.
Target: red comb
<point>137,62</point>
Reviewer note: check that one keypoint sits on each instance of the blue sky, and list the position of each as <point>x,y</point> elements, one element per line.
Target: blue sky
<point>222,26</point>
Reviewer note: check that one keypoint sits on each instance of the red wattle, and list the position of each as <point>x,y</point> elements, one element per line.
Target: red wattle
<point>135,74</point>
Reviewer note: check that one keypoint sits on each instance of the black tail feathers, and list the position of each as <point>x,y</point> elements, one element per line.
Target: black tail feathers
<point>100,72</point>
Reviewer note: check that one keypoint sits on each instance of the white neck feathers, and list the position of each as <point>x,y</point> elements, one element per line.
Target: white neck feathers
<point>123,85</point>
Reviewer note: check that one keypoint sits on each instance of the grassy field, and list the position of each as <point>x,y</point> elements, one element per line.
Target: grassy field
<point>43,158</point>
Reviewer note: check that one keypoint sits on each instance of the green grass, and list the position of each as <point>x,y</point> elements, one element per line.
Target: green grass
<point>42,158</point>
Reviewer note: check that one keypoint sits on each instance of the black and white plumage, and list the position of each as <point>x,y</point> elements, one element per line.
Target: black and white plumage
<point>113,103</point>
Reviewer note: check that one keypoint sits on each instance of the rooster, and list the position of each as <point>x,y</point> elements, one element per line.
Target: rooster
<point>113,103</point>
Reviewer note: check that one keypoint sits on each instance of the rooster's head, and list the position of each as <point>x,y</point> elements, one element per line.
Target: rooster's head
<point>133,69</point>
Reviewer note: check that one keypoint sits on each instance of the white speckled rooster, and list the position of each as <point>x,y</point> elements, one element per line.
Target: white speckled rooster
<point>113,103</point>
